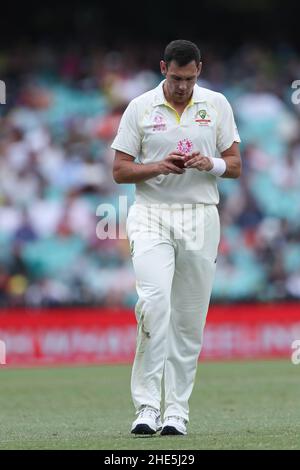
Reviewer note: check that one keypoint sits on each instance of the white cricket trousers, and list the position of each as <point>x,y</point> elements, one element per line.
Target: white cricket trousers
<point>174,251</point>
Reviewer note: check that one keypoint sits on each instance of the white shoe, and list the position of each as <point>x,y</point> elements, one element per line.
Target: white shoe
<point>147,422</point>
<point>174,425</point>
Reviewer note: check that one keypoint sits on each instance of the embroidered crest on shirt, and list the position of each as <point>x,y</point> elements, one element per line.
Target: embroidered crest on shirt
<point>202,117</point>
<point>185,146</point>
<point>159,123</point>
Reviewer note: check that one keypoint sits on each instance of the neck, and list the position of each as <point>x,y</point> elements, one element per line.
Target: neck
<point>176,104</point>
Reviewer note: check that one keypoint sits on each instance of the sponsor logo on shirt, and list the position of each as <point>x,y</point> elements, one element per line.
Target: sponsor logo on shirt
<point>202,117</point>
<point>159,123</point>
<point>185,146</point>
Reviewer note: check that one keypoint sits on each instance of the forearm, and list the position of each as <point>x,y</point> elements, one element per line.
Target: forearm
<point>131,172</point>
<point>233,167</point>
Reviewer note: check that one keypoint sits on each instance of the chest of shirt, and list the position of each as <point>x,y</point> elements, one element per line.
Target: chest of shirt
<point>162,127</point>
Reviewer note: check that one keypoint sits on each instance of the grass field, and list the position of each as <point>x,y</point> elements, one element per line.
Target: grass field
<point>235,405</point>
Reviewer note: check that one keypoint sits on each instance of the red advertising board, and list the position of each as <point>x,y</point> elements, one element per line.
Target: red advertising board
<point>86,336</point>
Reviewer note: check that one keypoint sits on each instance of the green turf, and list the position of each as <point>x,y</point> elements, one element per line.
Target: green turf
<point>240,405</point>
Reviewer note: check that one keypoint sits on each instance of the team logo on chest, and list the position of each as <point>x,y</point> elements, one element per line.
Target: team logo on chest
<point>185,146</point>
<point>202,117</point>
<point>159,123</point>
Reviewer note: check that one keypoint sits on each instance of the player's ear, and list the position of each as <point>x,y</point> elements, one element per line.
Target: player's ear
<point>199,69</point>
<point>163,67</point>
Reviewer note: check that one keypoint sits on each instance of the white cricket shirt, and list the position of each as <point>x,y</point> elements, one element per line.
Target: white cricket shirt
<point>150,129</point>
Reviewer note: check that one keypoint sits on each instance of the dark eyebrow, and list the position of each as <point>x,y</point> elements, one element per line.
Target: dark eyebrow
<point>182,78</point>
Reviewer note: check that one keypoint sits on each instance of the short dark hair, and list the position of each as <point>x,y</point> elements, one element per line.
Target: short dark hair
<point>182,52</point>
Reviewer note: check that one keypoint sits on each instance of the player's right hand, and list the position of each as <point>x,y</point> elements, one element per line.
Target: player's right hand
<point>173,163</point>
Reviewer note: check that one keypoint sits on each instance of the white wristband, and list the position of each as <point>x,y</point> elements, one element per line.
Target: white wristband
<point>219,166</point>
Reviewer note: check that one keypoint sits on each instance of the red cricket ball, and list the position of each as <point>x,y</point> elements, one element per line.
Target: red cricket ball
<point>179,163</point>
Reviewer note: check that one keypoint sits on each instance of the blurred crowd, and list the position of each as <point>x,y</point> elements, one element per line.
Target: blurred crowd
<point>62,111</point>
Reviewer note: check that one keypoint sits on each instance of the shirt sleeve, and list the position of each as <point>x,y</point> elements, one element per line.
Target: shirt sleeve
<point>128,138</point>
<point>227,132</point>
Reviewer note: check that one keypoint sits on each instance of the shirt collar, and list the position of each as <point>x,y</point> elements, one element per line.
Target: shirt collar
<point>159,97</point>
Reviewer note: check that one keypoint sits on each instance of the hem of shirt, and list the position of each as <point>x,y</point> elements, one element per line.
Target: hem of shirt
<point>144,202</point>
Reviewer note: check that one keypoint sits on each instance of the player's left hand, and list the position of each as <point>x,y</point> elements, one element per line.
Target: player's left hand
<point>198,161</point>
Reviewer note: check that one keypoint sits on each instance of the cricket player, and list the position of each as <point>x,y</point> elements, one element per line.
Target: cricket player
<point>173,143</point>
